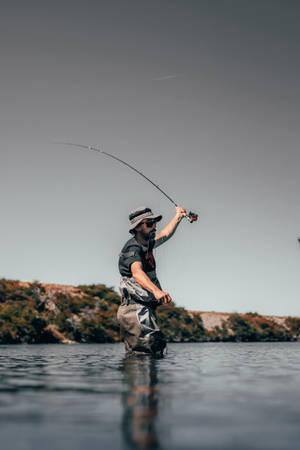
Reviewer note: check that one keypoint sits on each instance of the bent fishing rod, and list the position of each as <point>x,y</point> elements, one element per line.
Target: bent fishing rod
<point>191,216</point>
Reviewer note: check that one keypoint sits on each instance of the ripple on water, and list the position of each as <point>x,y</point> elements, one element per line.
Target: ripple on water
<point>206,396</point>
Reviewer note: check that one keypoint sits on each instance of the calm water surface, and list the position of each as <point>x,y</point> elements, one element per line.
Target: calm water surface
<point>204,396</point>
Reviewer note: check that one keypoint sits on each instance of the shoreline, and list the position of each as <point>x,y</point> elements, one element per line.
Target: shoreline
<point>34,312</point>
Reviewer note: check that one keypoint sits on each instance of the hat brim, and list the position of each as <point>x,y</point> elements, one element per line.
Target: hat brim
<point>139,219</point>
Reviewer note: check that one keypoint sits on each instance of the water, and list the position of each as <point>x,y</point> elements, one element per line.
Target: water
<point>204,396</point>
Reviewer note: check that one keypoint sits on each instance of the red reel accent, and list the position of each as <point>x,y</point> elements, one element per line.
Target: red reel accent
<point>193,217</point>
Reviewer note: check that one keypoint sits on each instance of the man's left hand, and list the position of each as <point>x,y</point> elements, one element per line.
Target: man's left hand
<point>180,212</point>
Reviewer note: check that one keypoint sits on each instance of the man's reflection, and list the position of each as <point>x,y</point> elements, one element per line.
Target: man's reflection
<point>140,401</point>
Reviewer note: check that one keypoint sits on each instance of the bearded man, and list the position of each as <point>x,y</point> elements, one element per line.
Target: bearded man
<point>139,286</point>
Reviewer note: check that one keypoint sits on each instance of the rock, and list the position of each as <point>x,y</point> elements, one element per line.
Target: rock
<point>58,335</point>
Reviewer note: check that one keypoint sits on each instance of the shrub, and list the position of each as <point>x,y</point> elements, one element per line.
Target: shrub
<point>293,323</point>
<point>178,326</point>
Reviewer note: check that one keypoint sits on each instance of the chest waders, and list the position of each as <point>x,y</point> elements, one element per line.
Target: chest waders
<point>136,314</point>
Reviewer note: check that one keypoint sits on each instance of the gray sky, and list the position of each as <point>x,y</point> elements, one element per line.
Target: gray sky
<point>203,96</point>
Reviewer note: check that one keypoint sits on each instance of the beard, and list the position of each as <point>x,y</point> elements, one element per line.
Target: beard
<point>148,235</point>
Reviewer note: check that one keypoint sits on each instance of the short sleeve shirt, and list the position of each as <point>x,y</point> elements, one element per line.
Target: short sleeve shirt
<point>134,251</point>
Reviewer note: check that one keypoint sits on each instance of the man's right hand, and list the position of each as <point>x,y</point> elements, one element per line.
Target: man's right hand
<point>141,278</point>
<point>162,297</point>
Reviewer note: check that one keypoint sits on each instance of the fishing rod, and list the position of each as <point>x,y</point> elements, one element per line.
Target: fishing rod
<point>191,216</point>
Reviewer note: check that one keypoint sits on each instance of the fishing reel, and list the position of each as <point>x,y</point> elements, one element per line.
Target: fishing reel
<point>192,217</point>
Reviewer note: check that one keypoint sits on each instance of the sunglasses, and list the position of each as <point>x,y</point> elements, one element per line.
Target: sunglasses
<point>149,223</point>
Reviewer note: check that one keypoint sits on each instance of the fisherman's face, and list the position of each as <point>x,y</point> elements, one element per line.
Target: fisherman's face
<point>147,229</point>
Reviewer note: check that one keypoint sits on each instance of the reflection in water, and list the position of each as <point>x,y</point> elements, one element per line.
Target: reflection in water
<point>140,401</point>
<point>211,396</point>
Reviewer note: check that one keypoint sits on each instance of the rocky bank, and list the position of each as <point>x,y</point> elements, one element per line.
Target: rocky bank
<point>52,313</point>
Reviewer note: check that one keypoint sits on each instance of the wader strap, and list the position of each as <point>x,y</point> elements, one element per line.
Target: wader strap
<point>127,301</point>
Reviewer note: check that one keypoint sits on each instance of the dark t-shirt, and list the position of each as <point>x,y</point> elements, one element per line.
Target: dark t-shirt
<point>134,251</point>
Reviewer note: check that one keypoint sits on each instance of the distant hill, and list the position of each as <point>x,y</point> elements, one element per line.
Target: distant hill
<point>52,313</point>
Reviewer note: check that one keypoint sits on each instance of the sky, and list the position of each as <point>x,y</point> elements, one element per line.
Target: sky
<point>202,96</point>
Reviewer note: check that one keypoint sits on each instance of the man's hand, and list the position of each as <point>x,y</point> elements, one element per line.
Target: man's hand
<point>162,297</point>
<point>180,213</point>
<point>140,276</point>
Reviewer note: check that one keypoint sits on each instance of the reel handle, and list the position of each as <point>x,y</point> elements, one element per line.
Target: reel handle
<point>192,217</point>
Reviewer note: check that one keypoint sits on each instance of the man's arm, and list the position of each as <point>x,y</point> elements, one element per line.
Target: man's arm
<point>170,229</point>
<point>141,277</point>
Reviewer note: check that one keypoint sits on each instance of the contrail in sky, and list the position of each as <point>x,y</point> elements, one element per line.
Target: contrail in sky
<point>167,77</point>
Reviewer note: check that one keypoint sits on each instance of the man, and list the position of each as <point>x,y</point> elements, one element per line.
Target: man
<point>140,289</point>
